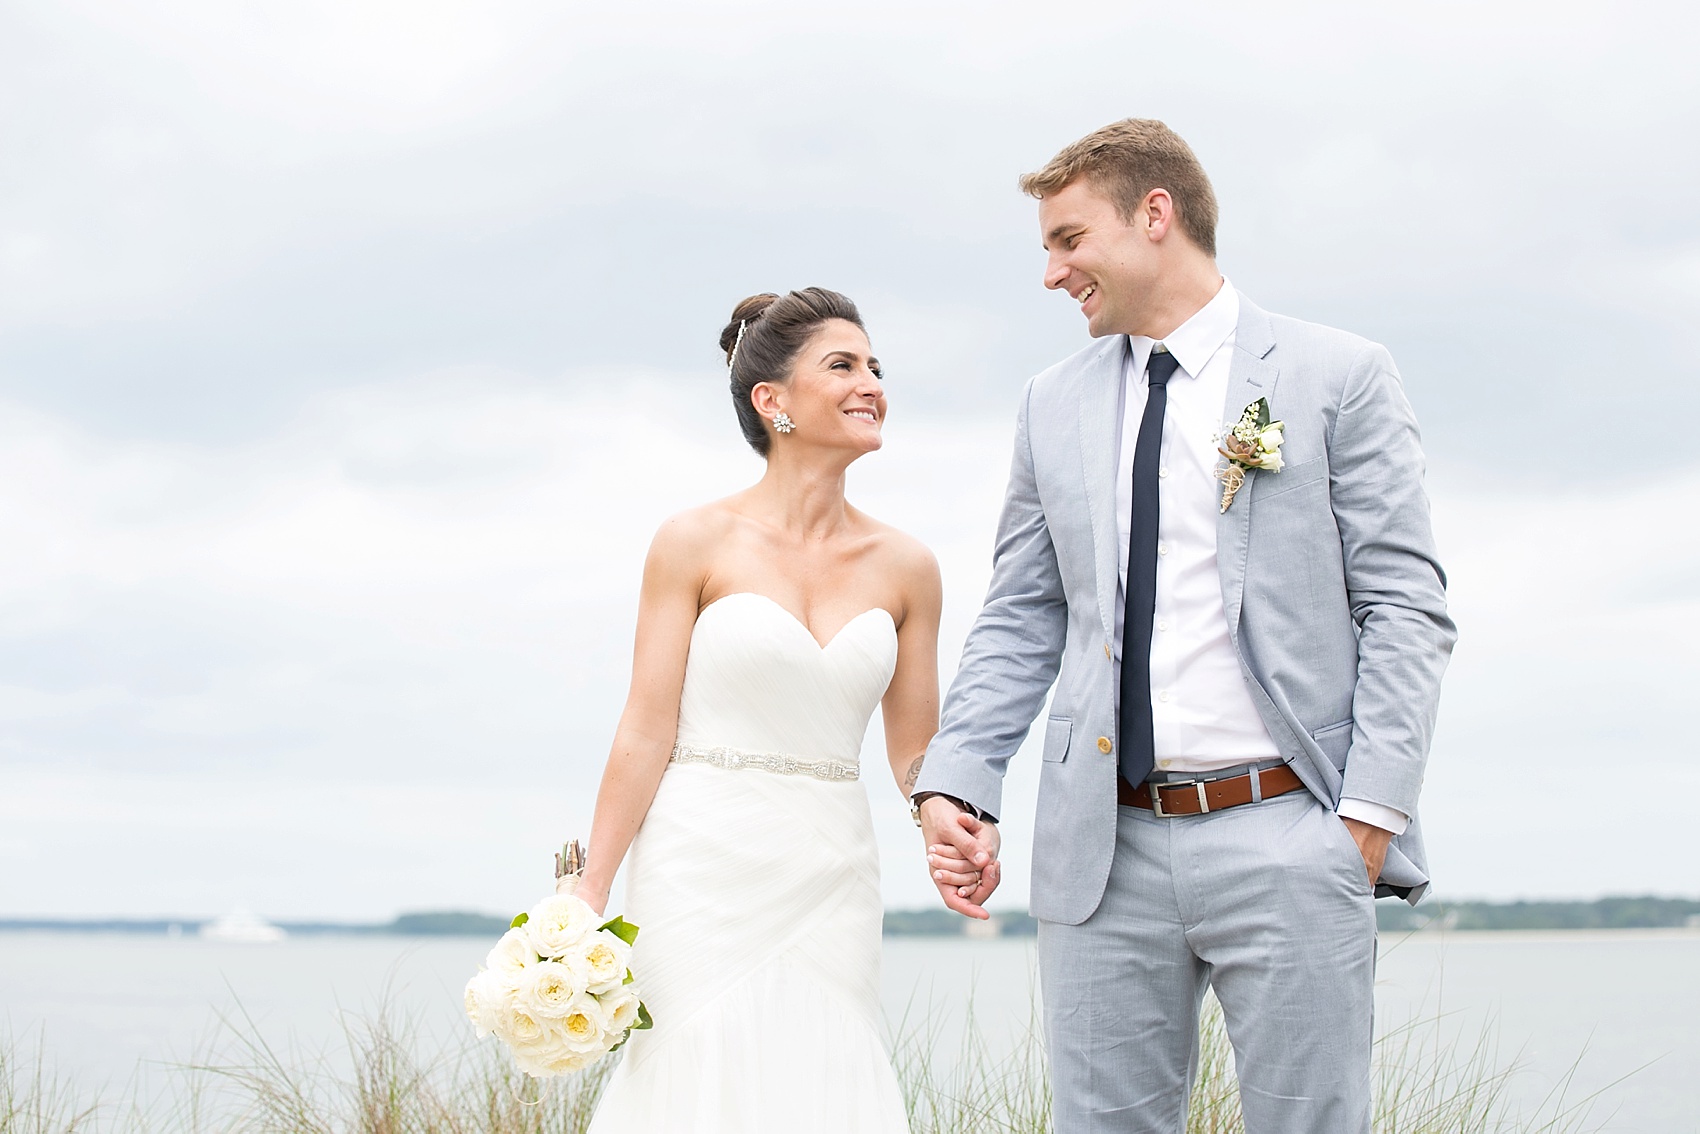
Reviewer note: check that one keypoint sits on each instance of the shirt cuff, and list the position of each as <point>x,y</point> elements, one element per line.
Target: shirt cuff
<point>1375,814</point>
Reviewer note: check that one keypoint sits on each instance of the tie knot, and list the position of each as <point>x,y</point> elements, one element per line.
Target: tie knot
<point>1161,368</point>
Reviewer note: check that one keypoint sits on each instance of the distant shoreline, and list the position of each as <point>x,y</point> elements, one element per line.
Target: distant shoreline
<point>1392,917</point>
<point>1645,912</point>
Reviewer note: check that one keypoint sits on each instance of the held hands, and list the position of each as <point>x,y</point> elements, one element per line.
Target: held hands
<point>1372,844</point>
<point>962,856</point>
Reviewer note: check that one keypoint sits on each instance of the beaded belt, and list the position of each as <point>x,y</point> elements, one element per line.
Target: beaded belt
<point>738,758</point>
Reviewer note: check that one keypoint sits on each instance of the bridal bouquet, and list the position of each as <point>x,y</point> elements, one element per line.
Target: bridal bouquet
<point>557,988</point>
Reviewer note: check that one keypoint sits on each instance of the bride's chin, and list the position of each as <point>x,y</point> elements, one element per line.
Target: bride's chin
<point>865,440</point>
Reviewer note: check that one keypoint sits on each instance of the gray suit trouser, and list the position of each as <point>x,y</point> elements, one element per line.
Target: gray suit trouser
<point>1267,903</point>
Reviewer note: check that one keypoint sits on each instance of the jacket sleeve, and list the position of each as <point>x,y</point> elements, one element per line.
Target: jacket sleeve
<point>1013,652</point>
<point>1394,584</point>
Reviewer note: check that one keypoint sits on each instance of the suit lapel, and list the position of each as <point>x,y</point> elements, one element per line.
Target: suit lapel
<point>1251,375</point>
<point>1100,408</point>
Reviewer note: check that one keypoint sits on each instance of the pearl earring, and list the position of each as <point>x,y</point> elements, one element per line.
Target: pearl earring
<point>783,423</point>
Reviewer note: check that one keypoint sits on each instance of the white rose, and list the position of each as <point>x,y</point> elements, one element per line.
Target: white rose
<point>1270,439</point>
<point>621,1007</point>
<point>538,1055</point>
<point>584,1027</point>
<point>547,1061</point>
<point>606,959</point>
<point>512,955</point>
<point>519,1028</point>
<point>548,1069</point>
<point>1270,462</point>
<point>548,1042</point>
<point>559,922</point>
<point>549,989</point>
<point>486,995</point>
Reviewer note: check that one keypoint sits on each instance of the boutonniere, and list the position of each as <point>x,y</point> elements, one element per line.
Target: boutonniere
<point>1254,442</point>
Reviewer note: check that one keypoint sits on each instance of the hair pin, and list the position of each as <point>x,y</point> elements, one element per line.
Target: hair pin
<point>743,325</point>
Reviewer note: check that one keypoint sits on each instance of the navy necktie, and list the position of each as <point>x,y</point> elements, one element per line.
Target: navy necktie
<point>1138,749</point>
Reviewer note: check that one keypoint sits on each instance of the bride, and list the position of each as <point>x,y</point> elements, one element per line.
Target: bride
<point>770,625</point>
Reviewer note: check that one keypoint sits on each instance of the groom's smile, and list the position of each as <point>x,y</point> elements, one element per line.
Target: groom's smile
<point>1109,264</point>
<point>1087,241</point>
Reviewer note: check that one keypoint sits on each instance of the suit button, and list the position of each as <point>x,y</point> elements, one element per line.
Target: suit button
<point>1104,745</point>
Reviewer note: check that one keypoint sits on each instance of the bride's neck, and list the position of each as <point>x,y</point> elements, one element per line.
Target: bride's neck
<point>803,496</point>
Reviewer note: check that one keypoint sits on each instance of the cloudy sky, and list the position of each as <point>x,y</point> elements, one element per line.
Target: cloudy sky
<point>351,351</point>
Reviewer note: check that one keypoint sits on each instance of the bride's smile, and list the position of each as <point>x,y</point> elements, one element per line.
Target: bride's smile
<point>836,376</point>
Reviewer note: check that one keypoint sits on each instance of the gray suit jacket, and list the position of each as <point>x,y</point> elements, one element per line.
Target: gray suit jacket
<point>1336,604</point>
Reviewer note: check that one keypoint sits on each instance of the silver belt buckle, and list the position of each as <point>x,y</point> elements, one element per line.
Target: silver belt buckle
<point>1157,797</point>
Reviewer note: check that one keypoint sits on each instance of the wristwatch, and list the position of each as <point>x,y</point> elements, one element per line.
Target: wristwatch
<point>921,797</point>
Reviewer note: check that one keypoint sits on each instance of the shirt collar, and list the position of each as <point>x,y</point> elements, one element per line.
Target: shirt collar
<point>1194,341</point>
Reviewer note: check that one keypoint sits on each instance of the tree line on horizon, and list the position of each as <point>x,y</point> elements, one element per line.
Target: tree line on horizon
<point>1392,916</point>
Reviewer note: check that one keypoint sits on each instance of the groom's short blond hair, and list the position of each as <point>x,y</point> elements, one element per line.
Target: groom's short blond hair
<point>1126,160</point>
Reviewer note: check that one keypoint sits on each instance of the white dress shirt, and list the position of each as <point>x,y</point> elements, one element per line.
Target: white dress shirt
<point>1203,718</point>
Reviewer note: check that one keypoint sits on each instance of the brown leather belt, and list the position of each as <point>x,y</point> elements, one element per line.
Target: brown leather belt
<point>1197,797</point>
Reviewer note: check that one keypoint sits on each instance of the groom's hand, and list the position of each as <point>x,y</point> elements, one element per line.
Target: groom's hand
<point>962,856</point>
<point>1372,844</point>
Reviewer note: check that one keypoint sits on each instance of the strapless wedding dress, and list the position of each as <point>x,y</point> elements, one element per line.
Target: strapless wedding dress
<point>755,881</point>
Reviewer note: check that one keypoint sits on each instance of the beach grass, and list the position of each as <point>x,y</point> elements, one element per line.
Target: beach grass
<point>34,1100</point>
<point>1427,1081</point>
<point>386,1079</point>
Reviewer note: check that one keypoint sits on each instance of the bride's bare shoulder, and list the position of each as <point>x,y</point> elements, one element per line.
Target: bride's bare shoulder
<point>911,560</point>
<point>692,534</point>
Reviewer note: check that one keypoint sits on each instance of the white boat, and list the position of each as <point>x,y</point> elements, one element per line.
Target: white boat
<point>243,928</point>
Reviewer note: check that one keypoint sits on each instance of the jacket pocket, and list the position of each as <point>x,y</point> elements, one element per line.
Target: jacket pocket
<point>1057,730</point>
<point>1290,478</point>
<point>1334,740</point>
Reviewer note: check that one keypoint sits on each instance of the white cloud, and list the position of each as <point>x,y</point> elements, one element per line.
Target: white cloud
<point>1562,766</point>
<point>298,545</point>
<point>301,672</point>
<point>418,592</point>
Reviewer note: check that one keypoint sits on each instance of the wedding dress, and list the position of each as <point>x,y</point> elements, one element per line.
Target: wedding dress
<point>755,881</point>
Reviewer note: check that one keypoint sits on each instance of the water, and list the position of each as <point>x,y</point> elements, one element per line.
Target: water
<point>110,1009</point>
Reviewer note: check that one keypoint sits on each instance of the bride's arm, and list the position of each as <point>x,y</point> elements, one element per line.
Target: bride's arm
<point>911,703</point>
<point>643,742</point>
<point>911,711</point>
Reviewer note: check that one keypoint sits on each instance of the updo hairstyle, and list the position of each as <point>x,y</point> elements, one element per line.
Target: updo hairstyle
<point>775,329</point>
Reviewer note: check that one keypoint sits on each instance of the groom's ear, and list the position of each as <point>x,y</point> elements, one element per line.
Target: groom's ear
<point>1156,214</point>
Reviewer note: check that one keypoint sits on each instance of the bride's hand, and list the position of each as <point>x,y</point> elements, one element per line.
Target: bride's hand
<point>961,856</point>
<point>950,868</point>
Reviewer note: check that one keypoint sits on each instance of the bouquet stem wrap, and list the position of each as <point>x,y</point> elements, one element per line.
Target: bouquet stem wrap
<point>569,868</point>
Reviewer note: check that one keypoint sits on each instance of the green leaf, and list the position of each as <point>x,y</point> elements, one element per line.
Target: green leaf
<point>629,977</point>
<point>622,929</point>
<point>519,920</point>
<point>1262,413</point>
<point>644,1020</point>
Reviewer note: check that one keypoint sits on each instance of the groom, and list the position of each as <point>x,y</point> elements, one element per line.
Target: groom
<point>1246,681</point>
